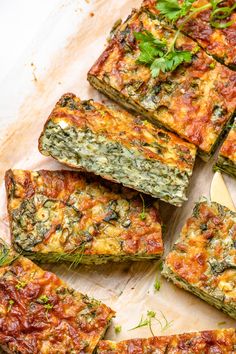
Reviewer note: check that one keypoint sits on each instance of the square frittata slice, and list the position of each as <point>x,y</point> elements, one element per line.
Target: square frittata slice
<point>222,341</point>
<point>120,147</point>
<point>40,314</point>
<point>226,161</point>
<point>203,260</point>
<point>70,216</point>
<point>196,100</point>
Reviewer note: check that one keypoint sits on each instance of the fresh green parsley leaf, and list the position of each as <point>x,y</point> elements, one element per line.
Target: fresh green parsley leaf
<point>149,46</point>
<point>170,62</point>
<point>118,329</point>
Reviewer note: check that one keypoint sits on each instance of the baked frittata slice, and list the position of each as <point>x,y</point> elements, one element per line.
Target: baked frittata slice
<point>70,216</point>
<point>195,101</point>
<point>226,161</point>
<point>120,147</point>
<point>222,341</point>
<point>218,42</point>
<point>203,261</point>
<point>39,313</point>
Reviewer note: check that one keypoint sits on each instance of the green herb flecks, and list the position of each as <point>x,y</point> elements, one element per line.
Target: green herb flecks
<point>148,321</point>
<point>157,284</point>
<point>20,285</point>
<point>173,11</point>
<point>10,304</point>
<point>143,215</point>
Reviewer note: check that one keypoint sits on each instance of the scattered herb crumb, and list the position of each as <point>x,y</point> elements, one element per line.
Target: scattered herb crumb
<point>118,329</point>
<point>221,323</point>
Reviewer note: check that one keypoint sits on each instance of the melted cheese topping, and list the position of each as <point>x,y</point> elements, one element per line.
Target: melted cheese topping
<point>217,341</point>
<point>40,314</point>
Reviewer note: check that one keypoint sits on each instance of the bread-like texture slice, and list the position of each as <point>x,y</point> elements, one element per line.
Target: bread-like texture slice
<point>70,216</point>
<point>39,313</point>
<point>120,147</point>
<point>195,101</point>
<point>203,260</point>
<point>218,42</point>
<point>221,341</point>
<point>226,161</point>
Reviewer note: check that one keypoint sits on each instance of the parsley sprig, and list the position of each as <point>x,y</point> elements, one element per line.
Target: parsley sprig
<point>157,55</point>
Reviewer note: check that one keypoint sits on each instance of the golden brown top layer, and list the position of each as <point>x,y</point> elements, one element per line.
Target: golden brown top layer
<point>205,254</point>
<point>70,212</point>
<point>122,127</point>
<point>217,341</point>
<point>40,314</point>
<point>195,100</point>
<point>228,149</point>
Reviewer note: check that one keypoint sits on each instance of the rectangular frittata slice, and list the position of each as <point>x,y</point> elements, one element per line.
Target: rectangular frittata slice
<point>195,101</point>
<point>119,146</point>
<point>203,261</point>
<point>40,314</point>
<point>218,42</point>
<point>226,161</point>
<point>70,216</point>
<point>221,341</point>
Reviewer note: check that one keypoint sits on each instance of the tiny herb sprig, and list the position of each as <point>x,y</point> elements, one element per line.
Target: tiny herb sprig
<point>148,321</point>
<point>143,215</point>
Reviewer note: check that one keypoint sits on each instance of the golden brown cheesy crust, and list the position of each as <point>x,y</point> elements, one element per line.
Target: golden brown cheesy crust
<point>221,341</point>
<point>226,161</point>
<point>195,101</point>
<point>65,215</point>
<point>120,147</point>
<point>203,261</point>
<point>39,313</point>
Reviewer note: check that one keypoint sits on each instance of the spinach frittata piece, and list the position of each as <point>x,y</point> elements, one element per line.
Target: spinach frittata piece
<point>203,261</point>
<point>39,313</point>
<point>120,147</point>
<point>70,216</point>
<point>221,341</point>
<point>226,161</point>
<point>196,100</point>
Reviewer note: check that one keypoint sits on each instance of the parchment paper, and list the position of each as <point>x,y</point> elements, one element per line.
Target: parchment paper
<point>71,39</point>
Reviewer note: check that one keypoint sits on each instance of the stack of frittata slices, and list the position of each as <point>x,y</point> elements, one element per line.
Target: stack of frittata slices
<point>172,62</point>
